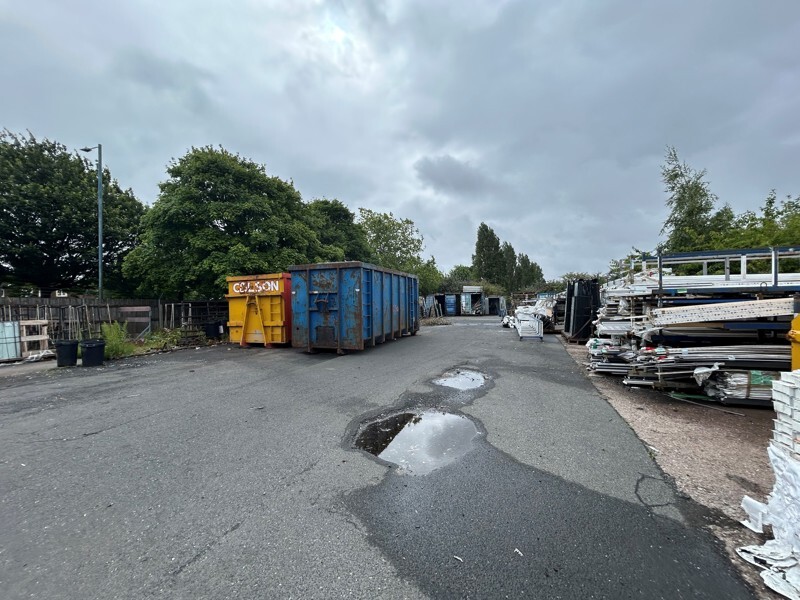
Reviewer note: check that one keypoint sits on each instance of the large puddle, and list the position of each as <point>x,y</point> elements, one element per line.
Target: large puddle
<point>461,379</point>
<point>419,442</point>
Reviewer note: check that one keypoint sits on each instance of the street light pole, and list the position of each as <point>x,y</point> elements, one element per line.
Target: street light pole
<point>99,217</point>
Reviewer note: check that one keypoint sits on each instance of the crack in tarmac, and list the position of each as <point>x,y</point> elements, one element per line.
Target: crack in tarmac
<point>204,551</point>
<point>91,433</point>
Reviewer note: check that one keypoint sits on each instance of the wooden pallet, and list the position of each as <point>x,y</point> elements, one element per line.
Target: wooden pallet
<point>33,337</point>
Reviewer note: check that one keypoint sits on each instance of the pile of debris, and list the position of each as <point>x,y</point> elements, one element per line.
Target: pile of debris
<point>527,320</point>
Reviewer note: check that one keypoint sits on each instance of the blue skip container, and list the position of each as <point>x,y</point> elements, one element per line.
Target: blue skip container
<point>351,305</point>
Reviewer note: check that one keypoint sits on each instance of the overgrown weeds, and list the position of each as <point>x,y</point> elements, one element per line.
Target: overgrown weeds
<point>117,343</point>
<point>163,339</point>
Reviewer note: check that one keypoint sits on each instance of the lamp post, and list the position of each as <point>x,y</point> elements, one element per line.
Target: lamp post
<point>99,148</point>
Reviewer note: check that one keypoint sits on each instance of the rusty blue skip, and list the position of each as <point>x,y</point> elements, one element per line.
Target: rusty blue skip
<point>351,305</point>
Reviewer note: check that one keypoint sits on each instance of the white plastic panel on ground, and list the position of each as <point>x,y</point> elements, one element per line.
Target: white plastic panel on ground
<point>529,326</point>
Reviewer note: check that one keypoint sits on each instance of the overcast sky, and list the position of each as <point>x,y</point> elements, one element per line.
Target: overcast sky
<point>547,120</point>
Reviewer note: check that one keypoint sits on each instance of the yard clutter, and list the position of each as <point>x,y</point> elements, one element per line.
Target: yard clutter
<point>736,385</point>
<point>546,309</point>
<point>527,321</point>
<point>24,339</point>
<point>719,335</point>
<point>724,373</point>
<point>780,557</point>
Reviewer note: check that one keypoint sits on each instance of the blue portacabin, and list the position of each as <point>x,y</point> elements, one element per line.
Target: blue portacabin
<point>351,305</point>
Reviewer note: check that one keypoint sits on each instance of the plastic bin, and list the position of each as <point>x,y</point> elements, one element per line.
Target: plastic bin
<point>66,353</point>
<point>260,309</point>
<point>351,305</point>
<point>213,330</point>
<point>92,352</point>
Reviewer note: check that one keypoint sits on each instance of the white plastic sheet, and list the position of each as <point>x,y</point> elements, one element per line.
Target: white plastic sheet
<point>778,557</point>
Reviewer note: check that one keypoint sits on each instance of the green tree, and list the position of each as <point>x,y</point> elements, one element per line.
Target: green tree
<point>487,262</point>
<point>456,278</point>
<point>430,277</point>
<point>462,273</point>
<point>336,228</point>
<point>395,243</point>
<point>510,271</point>
<point>775,225</point>
<point>220,214</point>
<point>48,217</point>
<point>398,244</point>
<point>529,273</point>
<point>720,227</point>
<point>788,217</point>
<point>554,286</point>
<point>691,220</point>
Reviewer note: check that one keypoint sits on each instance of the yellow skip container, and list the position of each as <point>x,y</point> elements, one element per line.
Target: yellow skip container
<point>260,309</point>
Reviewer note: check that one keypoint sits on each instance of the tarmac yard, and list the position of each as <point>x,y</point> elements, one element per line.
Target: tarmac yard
<point>223,472</point>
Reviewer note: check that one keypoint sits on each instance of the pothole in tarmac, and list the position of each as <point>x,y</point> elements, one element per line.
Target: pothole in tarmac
<point>461,379</point>
<point>419,443</point>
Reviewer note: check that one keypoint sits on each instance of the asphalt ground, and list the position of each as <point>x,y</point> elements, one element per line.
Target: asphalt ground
<point>223,472</point>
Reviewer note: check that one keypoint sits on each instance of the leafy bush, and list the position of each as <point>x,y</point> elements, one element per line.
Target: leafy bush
<point>117,342</point>
<point>162,339</point>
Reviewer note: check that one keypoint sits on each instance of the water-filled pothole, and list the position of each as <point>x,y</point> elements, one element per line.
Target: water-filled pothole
<point>419,442</point>
<point>461,379</point>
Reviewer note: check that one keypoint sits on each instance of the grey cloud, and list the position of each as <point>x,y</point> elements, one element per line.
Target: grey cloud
<point>578,101</point>
<point>158,73</point>
<point>164,77</point>
<point>564,109</point>
<point>449,175</point>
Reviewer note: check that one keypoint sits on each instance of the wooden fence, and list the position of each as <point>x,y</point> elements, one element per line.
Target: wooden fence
<point>81,318</point>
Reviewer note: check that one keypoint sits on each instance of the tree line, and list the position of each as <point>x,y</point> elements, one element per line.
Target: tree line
<point>217,214</point>
<point>496,266</point>
<point>696,222</point>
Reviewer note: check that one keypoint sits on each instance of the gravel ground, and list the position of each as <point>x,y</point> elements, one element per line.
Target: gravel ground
<point>714,457</point>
